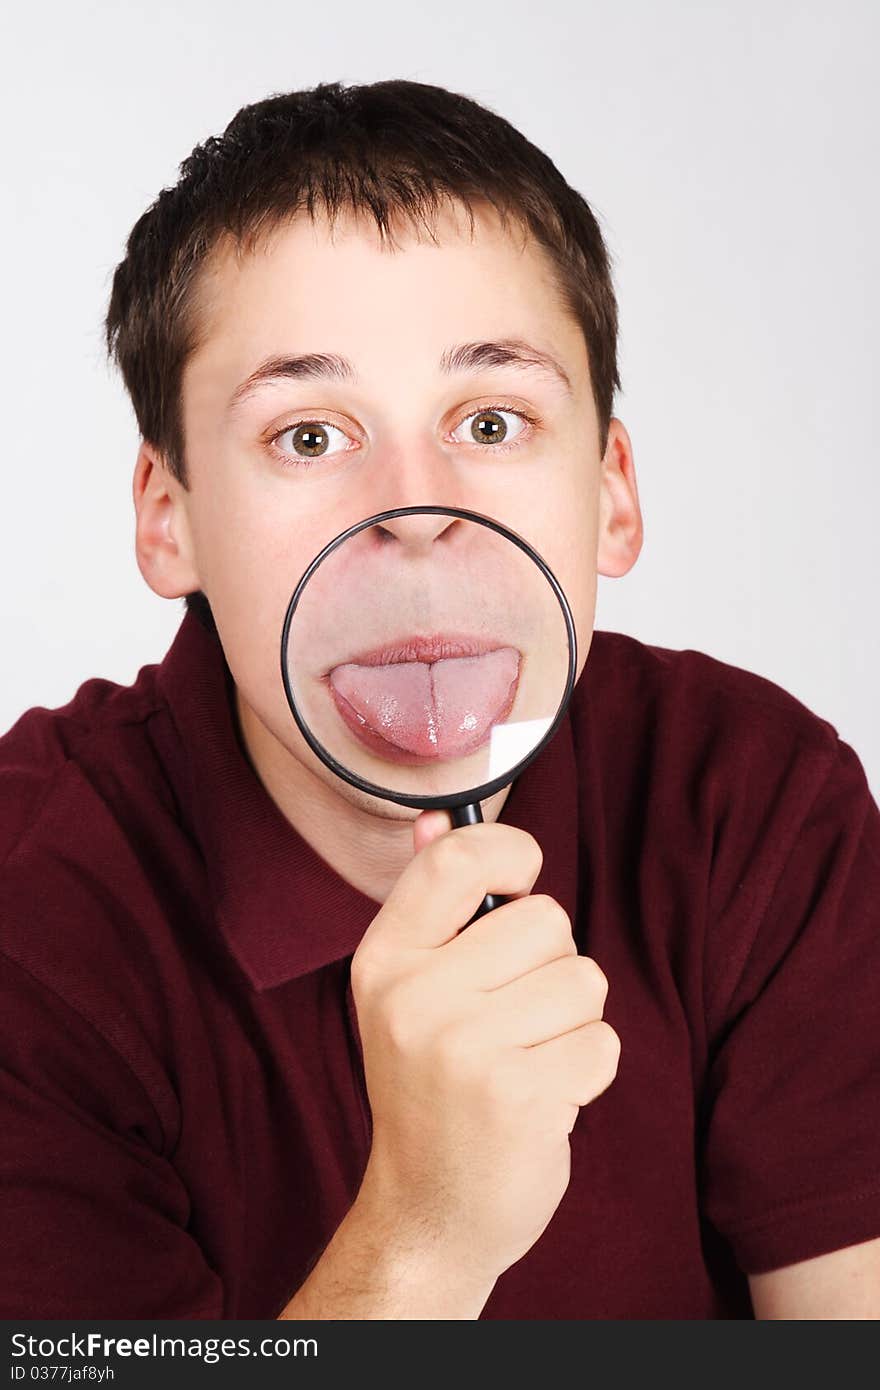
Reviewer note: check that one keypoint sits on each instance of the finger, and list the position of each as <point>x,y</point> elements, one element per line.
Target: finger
<point>441,888</point>
<point>578,1066</point>
<point>428,826</point>
<point>555,999</point>
<point>513,939</point>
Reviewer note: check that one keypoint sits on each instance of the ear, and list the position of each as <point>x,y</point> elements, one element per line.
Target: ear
<point>163,540</point>
<point>620,516</point>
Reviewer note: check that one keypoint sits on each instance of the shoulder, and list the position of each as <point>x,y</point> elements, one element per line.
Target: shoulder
<point>87,818</point>
<point>694,710</point>
<point>730,793</point>
<point>708,776</point>
<point>651,672</point>
<point>77,754</point>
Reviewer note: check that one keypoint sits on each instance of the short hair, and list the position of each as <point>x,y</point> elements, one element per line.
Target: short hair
<point>389,149</point>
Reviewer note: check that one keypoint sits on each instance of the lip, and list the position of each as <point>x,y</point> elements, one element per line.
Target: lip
<point>428,648</point>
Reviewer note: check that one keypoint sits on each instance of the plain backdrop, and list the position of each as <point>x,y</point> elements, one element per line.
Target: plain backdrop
<point>730,153</point>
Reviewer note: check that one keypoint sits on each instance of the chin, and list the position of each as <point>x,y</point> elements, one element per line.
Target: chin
<point>375,805</point>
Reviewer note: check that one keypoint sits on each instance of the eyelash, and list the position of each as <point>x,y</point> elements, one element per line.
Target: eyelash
<point>289,461</point>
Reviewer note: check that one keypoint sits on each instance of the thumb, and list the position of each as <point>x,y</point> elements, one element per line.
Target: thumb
<point>428,826</point>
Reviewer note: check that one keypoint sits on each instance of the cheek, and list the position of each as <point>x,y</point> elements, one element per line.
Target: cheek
<point>250,556</point>
<point>565,533</point>
<point>565,529</point>
<point>251,550</point>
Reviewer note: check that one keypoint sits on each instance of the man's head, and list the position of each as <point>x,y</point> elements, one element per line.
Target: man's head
<point>395,226</point>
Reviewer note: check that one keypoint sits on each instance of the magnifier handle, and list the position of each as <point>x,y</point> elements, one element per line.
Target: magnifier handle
<point>472,814</point>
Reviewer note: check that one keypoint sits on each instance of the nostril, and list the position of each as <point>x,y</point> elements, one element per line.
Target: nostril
<point>419,527</point>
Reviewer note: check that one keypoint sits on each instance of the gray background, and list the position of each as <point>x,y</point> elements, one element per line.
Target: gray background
<point>730,153</point>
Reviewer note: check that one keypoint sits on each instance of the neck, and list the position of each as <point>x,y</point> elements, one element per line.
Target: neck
<point>368,842</point>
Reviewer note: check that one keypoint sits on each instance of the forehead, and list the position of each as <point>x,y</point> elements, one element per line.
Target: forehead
<point>354,233</point>
<point>316,275</point>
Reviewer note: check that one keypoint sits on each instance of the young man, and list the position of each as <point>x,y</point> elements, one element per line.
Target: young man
<point>252,1065</point>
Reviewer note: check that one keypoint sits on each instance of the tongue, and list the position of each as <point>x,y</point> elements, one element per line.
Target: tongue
<point>441,710</point>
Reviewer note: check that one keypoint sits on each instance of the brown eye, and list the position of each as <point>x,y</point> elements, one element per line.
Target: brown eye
<point>487,427</point>
<point>309,439</point>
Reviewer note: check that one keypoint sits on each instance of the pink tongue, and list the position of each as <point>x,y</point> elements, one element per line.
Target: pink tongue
<point>439,710</point>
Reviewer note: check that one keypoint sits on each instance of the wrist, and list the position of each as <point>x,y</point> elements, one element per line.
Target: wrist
<point>409,1257</point>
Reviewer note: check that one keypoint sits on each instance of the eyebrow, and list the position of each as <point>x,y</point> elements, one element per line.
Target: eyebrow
<point>466,357</point>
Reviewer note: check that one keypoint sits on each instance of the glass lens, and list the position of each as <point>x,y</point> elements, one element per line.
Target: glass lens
<point>427,654</point>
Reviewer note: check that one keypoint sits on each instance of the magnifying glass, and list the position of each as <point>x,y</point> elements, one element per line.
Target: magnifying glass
<point>428,654</point>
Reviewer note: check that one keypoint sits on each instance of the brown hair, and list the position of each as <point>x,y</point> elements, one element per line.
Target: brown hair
<point>387,148</point>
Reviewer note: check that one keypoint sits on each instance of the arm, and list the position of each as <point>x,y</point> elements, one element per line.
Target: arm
<point>94,1216</point>
<point>843,1284</point>
<point>374,1268</point>
<point>790,1176</point>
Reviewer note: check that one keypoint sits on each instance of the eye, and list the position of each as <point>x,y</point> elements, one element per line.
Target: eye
<point>311,440</point>
<point>490,429</point>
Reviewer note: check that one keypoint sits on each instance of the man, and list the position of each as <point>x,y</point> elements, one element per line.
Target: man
<point>254,1066</point>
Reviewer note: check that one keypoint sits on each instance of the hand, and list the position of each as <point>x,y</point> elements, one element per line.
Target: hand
<point>479,1048</point>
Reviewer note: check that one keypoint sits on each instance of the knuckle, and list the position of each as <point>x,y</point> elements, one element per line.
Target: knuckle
<point>401,1014</point>
<point>555,920</point>
<point>595,978</point>
<point>451,855</point>
<point>595,1069</point>
<point>609,1045</point>
<point>363,972</point>
<point>533,852</point>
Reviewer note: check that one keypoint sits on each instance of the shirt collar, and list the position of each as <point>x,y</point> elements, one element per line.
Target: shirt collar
<point>282,909</point>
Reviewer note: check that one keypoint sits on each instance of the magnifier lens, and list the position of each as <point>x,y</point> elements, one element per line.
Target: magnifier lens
<point>427,654</point>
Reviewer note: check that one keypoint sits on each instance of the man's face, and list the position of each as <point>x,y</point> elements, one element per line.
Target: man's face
<point>403,432</point>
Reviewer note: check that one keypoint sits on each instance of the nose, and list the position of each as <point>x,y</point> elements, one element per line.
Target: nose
<point>420,530</point>
<point>415,477</point>
<point>417,532</point>
<point>408,472</point>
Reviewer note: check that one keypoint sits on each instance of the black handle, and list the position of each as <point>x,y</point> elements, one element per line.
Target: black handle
<point>472,814</point>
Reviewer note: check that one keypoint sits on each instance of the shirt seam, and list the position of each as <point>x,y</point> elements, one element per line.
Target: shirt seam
<point>777,1214</point>
<point>93,1027</point>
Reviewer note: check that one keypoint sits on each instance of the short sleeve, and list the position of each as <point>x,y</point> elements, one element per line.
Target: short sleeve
<point>791,1129</point>
<point>93,1216</point>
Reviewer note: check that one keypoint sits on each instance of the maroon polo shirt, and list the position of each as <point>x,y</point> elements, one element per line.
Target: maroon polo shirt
<point>183,1117</point>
